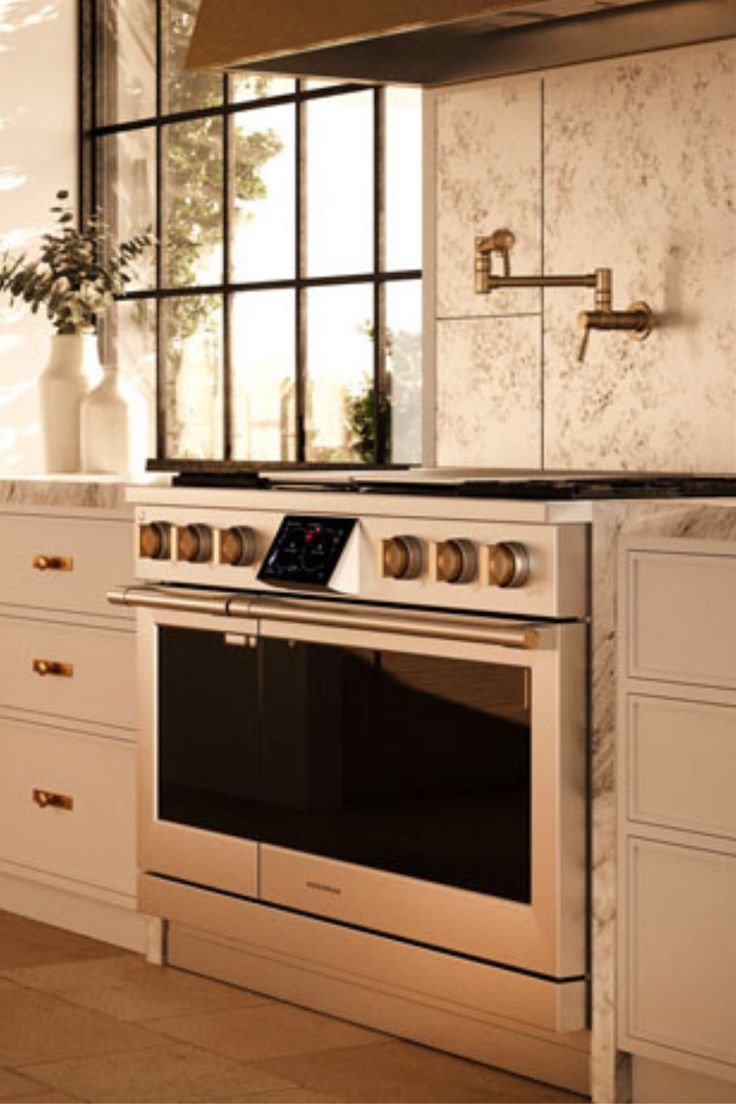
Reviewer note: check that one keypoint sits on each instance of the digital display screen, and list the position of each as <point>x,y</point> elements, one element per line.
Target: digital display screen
<point>306,550</point>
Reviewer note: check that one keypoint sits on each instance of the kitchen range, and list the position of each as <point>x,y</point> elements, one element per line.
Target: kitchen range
<point>364,753</point>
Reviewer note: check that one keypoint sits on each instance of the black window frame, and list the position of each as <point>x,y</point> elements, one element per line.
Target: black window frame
<point>92,131</point>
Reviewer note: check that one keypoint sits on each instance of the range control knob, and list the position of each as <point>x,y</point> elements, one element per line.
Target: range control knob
<point>508,564</point>
<point>402,558</point>
<point>154,541</point>
<point>194,543</point>
<point>457,561</point>
<point>237,546</point>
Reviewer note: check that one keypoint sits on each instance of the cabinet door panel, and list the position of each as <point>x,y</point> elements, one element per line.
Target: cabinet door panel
<point>682,764</point>
<point>68,670</point>
<point>680,951</point>
<point>682,618</point>
<point>93,841</point>
<point>65,563</point>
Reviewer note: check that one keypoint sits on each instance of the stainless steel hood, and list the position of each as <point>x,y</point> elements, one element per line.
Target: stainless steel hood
<point>433,42</point>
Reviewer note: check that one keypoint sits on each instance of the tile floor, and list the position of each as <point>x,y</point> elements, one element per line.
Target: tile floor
<point>82,1020</point>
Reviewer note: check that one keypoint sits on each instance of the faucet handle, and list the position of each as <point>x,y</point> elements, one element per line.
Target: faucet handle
<point>584,321</point>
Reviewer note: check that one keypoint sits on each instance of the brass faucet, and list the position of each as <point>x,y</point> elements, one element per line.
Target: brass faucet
<point>637,320</point>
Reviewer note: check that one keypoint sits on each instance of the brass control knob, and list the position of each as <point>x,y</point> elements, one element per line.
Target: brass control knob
<point>402,558</point>
<point>508,564</point>
<point>457,561</point>
<point>154,541</point>
<point>194,543</point>
<point>237,546</point>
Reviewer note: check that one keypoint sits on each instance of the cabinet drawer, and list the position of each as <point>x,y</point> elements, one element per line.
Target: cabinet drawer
<point>94,842</point>
<point>682,764</point>
<point>680,959</point>
<point>76,561</point>
<point>682,617</point>
<point>91,673</point>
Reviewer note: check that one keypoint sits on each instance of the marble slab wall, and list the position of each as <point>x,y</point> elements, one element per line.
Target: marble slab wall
<point>628,164</point>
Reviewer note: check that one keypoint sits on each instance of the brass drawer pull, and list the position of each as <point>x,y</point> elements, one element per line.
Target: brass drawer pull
<point>53,563</point>
<point>53,667</point>
<point>45,799</point>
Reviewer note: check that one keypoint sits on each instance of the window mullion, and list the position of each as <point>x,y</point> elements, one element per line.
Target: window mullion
<point>300,387</point>
<point>380,397</point>
<point>161,419</point>
<point>228,177</point>
<point>88,15</point>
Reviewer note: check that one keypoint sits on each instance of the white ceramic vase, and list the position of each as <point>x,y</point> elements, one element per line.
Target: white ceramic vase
<point>73,367</point>
<point>114,427</point>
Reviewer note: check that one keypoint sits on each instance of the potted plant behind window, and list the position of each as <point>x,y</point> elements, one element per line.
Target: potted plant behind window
<point>76,279</point>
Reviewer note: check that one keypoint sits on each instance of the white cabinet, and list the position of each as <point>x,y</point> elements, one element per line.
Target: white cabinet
<point>677,805</point>
<point>75,671</point>
<point>681,758</point>
<point>682,969</point>
<point>92,841</point>
<point>68,723</point>
<point>53,562</point>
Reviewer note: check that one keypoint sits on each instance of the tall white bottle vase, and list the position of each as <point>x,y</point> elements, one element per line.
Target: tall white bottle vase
<point>114,427</point>
<point>73,367</point>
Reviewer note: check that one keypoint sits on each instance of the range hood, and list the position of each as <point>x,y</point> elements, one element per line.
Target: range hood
<point>434,42</point>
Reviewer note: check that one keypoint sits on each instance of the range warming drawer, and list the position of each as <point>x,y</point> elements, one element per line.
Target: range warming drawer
<point>324,953</point>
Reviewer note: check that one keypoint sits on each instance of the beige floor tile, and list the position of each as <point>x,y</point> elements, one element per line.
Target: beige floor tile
<point>173,1072</point>
<point>25,942</point>
<point>278,1096</point>
<point>269,1031</point>
<point>36,1027</point>
<point>13,1084</point>
<point>88,1020</point>
<point>402,1072</point>
<point>47,1096</point>
<point>127,987</point>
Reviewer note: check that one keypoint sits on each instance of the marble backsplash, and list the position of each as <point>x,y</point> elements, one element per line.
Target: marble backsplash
<point>628,164</point>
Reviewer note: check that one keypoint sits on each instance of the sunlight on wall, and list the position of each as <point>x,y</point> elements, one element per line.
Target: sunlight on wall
<point>38,155</point>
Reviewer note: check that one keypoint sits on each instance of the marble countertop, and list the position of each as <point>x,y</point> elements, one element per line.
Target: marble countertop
<point>76,490</point>
<point>108,492</point>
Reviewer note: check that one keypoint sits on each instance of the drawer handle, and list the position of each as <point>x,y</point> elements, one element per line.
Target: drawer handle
<point>53,667</point>
<point>53,563</point>
<point>45,799</point>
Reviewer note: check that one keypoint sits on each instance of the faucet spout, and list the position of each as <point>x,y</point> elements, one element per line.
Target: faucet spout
<point>637,320</point>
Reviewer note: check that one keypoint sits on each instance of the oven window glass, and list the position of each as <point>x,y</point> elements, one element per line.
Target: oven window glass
<point>418,765</point>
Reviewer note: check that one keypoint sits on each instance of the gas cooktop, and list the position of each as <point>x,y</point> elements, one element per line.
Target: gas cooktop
<point>474,482</point>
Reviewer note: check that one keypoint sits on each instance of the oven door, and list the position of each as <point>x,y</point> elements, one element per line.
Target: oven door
<point>414,775</point>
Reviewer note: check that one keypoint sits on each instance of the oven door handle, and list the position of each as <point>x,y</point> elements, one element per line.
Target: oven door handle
<point>170,598</point>
<point>473,630</point>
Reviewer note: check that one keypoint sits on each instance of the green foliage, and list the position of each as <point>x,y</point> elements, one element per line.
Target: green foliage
<point>195,185</point>
<point>403,352</point>
<point>75,277</point>
<point>360,410</point>
<point>194,169</point>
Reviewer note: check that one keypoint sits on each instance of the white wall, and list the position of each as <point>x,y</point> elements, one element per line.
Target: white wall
<point>627,164</point>
<point>38,156</point>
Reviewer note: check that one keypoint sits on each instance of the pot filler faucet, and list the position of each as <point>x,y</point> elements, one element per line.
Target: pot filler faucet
<point>637,320</point>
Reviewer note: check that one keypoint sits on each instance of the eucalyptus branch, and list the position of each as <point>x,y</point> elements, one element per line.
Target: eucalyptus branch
<point>75,278</point>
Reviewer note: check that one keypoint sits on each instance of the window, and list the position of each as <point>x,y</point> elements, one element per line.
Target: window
<point>280,317</point>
